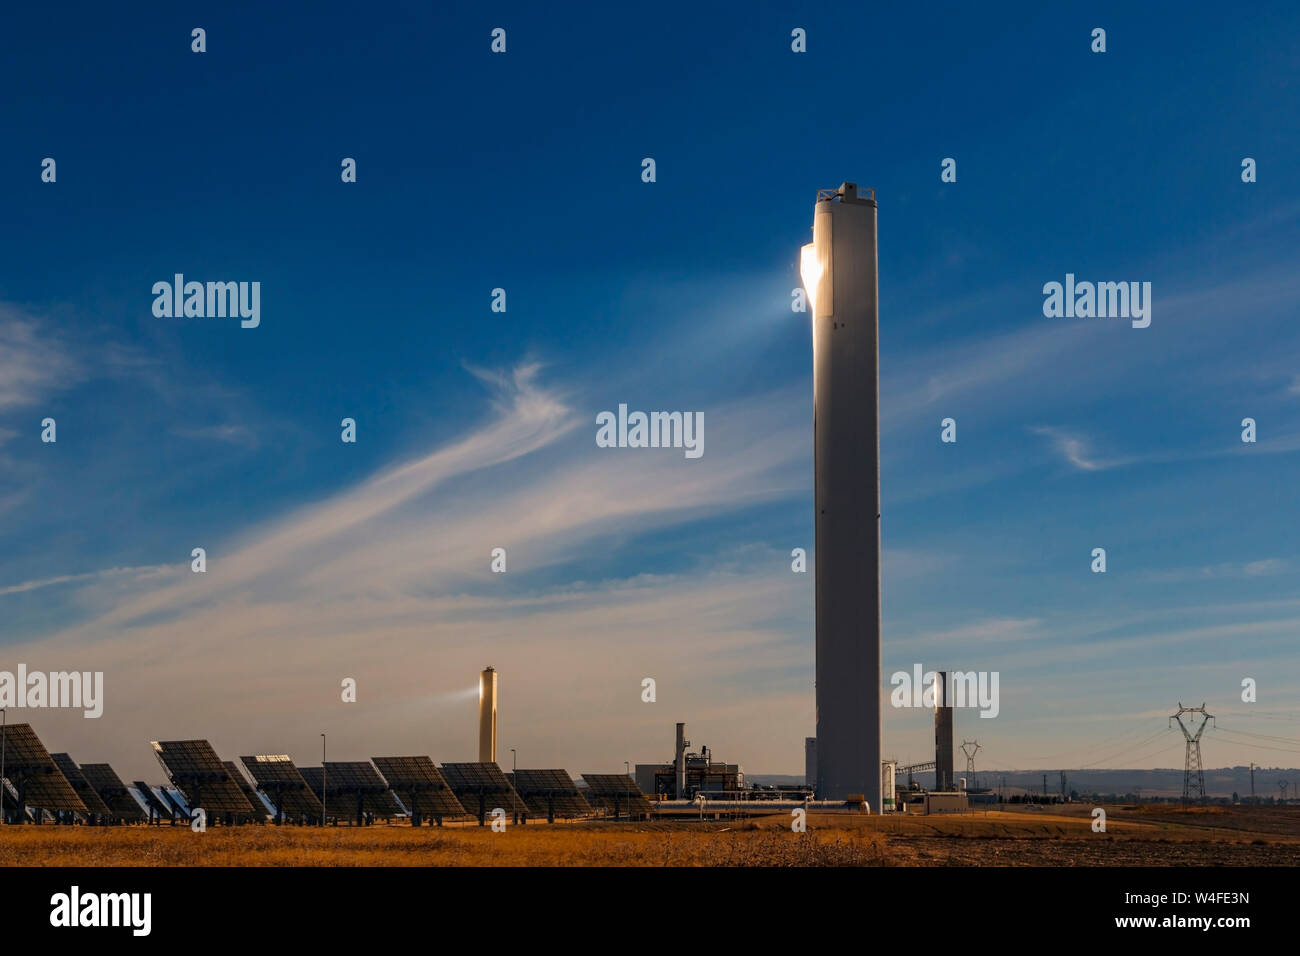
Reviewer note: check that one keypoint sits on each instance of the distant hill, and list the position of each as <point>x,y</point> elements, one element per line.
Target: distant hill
<point>1219,781</point>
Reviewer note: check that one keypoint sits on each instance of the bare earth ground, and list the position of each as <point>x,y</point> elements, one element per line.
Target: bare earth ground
<point>1062,836</point>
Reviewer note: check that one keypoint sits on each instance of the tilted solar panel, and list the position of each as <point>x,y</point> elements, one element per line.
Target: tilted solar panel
<point>175,799</point>
<point>72,773</point>
<point>35,776</point>
<point>159,805</point>
<point>419,785</point>
<point>197,771</point>
<point>313,776</point>
<point>409,772</point>
<point>358,777</point>
<point>272,768</point>
<point>50,791</point>
<point>250,794</point>
<point>482,786</point>
<point>354,775</point>
<point>112,791</point>
<point>299,803</point>
<point>350,783</point>
<point>616,791</point>
<point>279,779</point>
<point>24,749</point>
<point>549,790</point>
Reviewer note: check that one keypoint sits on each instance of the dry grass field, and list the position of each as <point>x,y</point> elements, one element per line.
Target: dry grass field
<point>1061,836</point>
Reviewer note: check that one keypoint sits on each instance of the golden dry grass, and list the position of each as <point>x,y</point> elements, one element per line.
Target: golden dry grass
<point>403,846</point>
<point>1062,836</point>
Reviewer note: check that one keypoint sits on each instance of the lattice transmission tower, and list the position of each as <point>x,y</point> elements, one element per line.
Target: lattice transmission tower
<point>1192,762</point>
<point>970,757</point>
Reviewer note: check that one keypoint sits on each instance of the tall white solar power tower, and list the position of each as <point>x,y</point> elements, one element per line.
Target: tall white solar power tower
<point>839,276</point>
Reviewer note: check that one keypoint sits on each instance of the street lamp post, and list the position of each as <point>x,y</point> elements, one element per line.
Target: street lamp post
<point>627,772</point>
<point>514,774</point>
<point>322,780</point>
<point>4,722</point>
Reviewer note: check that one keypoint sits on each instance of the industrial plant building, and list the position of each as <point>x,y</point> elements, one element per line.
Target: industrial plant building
<point>689,773</point>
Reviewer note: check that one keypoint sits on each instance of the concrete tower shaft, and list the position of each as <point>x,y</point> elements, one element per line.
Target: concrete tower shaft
<point>487,716</point>
<point>839,272</point>
<point>943,719</point>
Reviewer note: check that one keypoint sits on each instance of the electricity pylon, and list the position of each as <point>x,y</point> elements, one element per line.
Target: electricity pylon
<point>970,757</point>
<point>1192,762</point>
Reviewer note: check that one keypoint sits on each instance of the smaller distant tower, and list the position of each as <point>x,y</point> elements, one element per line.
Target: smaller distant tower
<point>487,716</point>
<point>942,734</point>
<point>679,762</point>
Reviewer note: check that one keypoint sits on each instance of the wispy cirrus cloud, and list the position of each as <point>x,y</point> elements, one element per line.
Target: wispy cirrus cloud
<point>1265,567</point>
<point>37,584</point>
<point>1077,450</point>
<point>33,362</point>
<point>230,433</point>
<point>388,581</point>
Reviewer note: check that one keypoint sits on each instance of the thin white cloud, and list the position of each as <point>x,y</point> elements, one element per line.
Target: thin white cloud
<point>33,363</point>
<point>232,434</point>
<point>37,584</point>
<point>902,564</point>
<point>1077,450</point>
<point>979,634</point>
<point>1255,569</point>
<point>1265,567</point>
<point>531,419</point>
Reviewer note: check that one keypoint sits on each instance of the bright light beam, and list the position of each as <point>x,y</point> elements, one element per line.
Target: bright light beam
<point>810,270</point>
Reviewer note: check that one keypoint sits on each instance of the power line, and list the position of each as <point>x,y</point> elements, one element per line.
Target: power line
<point>1264,715</point>
<point>1099,745</point>
<point>1247,733</point>
<point>1255,746</point>
<point>1124,750</point>
<point>993,765</point>
<point>1162,749</point>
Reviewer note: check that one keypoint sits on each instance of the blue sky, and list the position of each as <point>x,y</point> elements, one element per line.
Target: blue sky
<point>476,429</point>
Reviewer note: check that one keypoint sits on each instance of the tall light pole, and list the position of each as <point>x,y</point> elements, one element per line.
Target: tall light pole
<point>322,780</point>
<point>839,275</point>
<point>4,724</point>
<point>514,775</point>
